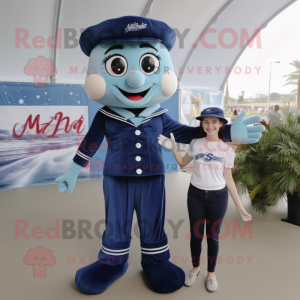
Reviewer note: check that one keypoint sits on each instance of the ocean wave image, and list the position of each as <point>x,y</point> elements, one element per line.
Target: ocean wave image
<point>36,162</point>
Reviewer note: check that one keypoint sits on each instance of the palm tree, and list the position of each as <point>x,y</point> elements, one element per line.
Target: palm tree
<point>294,79</point>
<point>271,167</point>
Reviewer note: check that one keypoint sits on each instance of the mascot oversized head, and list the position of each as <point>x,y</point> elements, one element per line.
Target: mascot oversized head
<point>130,65</point>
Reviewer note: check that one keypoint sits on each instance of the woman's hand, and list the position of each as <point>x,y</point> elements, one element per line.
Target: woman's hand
<point>245,216</point>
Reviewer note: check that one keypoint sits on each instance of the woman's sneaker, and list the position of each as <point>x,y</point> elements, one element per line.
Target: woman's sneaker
<point>190,279</point>
<point>211,284</point>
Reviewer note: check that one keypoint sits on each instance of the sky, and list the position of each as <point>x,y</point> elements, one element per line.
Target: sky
<point>280,42</point>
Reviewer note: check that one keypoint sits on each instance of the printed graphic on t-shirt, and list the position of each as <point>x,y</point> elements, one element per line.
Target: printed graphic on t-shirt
<point>208,161</point>
<point>208,157</point>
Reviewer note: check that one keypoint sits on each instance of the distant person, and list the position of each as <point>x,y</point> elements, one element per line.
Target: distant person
<point>234,115</point>
<point>274,116</point>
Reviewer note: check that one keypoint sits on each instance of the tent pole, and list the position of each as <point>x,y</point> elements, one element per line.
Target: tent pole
<point>57,16</point>
<point>147,8</point>
<point>213,20</point>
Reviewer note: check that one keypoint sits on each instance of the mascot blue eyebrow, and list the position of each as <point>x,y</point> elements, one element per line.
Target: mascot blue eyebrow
<point>130,72</point>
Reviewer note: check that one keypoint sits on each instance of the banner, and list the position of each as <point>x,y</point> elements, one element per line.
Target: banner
<point>193,101</point>
<point>40,130</point>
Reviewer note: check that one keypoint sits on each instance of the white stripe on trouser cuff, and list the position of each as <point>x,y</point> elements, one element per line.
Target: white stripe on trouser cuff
<point>111,250</point>
<point>83,156</point>
<point>156,251</point>
<point>155,248</point>
<point>116,253</point>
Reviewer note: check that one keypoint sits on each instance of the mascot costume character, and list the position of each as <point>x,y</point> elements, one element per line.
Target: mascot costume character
<point>130,72</point>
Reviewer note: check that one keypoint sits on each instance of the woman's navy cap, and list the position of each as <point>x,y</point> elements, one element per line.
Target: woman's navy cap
<point>212,112</point>
<point>127,29</point>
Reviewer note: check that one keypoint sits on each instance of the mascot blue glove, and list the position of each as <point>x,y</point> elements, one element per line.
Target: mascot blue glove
<point>243,134</point>
<point>67,181</point>
<point>130,72</point>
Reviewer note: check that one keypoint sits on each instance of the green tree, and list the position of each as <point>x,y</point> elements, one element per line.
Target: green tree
<point>294,79</point>
<point>271,167</point>
<point>241,98</point>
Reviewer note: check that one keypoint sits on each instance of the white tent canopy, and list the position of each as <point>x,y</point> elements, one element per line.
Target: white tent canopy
<point>229,21</point>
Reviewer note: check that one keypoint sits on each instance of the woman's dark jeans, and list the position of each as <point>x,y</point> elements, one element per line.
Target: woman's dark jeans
<point>206,207</point>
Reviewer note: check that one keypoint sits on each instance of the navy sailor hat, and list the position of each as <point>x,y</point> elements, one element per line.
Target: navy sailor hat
<point>127,29</point>
<point>212,112</point>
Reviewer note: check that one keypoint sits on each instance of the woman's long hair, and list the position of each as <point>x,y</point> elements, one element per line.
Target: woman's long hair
<point>235,112</point>
<point>220,132</point>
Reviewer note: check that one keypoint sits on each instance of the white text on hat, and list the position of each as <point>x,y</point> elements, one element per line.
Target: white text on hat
<point>134,27</point>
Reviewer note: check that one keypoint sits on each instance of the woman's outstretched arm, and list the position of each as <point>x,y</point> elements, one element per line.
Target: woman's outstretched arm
<point>182,161</point>
<point>234,195</point>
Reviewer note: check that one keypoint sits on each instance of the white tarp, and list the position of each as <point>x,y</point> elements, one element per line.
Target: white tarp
<point>27,30</point>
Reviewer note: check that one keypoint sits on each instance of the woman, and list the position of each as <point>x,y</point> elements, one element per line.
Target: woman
<point>208,191</point>
<point>234,115</point>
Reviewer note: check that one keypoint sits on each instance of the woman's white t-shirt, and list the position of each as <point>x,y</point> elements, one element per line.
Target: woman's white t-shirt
<point>210,161</point>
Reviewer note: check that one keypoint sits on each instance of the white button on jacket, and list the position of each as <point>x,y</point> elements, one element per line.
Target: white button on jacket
<point>138,158</point>
<point>137,132</point>
<point>139,171</point>
<point>138,145</point>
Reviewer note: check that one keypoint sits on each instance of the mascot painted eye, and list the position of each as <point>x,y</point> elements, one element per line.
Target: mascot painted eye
<point>149,63</point>
<point>116,65</point>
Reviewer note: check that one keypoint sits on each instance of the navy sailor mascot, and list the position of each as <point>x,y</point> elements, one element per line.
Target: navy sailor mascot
<point>130,72</point>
